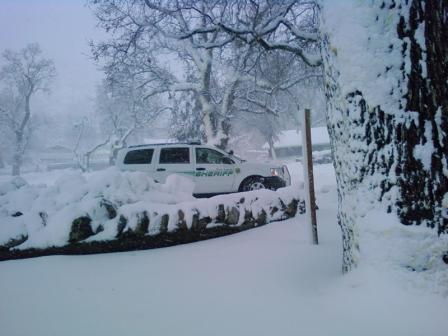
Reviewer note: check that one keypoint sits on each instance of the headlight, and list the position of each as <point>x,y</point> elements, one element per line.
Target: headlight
<point>277,172</point>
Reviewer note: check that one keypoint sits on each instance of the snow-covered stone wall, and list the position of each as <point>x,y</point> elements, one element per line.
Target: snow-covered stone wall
<point>114,211</point>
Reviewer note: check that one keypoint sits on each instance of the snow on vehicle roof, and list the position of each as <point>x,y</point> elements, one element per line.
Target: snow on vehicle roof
<point>292,138</point>
<point>166,144</point>
<point>149,141</point>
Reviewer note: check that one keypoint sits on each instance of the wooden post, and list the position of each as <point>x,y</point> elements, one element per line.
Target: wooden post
<point>307,161</point>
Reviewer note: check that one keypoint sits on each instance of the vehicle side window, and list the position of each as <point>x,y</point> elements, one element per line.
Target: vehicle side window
<point>139,156</point>
<point>208,156</point>
<point>175,155</point>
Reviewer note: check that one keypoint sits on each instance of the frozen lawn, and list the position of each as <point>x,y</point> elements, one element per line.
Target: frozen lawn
<point>265,281</point>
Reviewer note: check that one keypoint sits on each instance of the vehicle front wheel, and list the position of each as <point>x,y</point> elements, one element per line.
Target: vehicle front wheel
<point>253,183</point>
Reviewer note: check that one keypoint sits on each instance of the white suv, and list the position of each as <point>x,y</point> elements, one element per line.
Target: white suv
<point>213,170</point>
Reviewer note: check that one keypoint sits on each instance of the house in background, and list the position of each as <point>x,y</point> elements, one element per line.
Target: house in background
<point>289,145</point>
<point>61,157</point>
<point>56,157</point>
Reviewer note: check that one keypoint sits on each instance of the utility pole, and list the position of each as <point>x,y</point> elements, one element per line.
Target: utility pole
<point>307,162</point>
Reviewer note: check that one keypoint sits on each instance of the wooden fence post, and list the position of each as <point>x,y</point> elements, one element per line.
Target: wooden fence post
<point>307,162</point>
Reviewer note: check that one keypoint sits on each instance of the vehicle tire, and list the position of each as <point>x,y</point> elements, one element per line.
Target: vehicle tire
<point>253,183</point>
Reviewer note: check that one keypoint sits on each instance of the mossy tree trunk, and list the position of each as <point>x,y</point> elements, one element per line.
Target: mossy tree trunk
<point>422,187</point>
<point>398,156</point>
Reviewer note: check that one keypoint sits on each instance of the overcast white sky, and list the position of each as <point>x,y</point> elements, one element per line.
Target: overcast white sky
<point>63,29</point>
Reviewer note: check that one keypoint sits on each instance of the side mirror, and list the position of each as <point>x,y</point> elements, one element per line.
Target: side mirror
<point>231,152</point>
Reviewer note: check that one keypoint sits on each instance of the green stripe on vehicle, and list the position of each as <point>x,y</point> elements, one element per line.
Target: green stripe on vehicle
<point>211,173</point>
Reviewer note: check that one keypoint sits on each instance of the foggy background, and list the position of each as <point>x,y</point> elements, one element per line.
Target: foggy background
<point>65,122</point>
<point>63,29</point>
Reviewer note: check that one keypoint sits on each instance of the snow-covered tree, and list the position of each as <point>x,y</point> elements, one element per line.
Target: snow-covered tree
<point>7,103</point>
<point>185,120</point>
<point>123,109</point>
<point>149,36</point>
<point>146,31</point>
<point>23,74</point>
<point>275,104</point>
<point>85,142</point>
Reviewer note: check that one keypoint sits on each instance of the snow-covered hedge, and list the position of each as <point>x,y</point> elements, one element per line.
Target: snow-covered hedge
<point>125,210</point>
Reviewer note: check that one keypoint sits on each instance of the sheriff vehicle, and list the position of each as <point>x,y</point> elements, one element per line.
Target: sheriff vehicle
<point>213,170</point>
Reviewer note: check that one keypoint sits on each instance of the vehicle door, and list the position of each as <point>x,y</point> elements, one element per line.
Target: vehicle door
<point>214,171</point>
<point>173,160</point>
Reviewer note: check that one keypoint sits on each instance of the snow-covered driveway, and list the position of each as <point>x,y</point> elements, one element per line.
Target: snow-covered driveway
<point>265,281</point>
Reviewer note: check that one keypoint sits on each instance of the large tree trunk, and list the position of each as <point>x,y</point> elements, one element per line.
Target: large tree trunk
<point>423,145</point>
<point>391,150</point>
<point>340,130</point>
<point>217,129</point>
<point>20,135</point>
<point>113,155</point>
<point>271,152</point>
<point>17,157</point>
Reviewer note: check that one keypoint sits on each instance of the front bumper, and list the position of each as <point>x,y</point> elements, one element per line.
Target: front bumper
<point>275,182</point>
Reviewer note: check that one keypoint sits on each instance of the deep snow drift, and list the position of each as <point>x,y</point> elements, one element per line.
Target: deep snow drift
<point>265,281</point>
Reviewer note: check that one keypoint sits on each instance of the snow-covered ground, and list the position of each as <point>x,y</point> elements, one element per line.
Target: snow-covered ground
<point>265,281</point>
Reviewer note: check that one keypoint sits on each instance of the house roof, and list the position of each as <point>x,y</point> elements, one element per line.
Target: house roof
<point>58,149</point>
<point>292,138</point>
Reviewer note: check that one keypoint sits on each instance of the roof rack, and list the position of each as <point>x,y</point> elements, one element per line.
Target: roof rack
<point>167,143</point>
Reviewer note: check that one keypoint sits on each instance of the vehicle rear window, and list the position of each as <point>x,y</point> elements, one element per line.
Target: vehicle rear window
<point>175,155</point>
<point>139,156</point>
